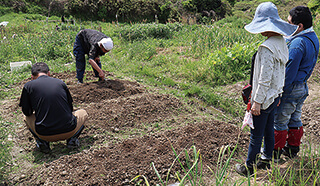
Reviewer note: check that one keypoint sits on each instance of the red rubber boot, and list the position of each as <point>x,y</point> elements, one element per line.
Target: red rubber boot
<point>293,142</point>
<point>280,138</point>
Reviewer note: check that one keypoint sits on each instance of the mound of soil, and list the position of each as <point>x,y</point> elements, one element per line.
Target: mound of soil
<point>130,127</point>
<point>117,164</point>
<point>152,123</point>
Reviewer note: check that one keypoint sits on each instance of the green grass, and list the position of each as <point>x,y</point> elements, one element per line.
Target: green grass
<point>189,58</point>
<point>6,143</point>
<point>303,170</point>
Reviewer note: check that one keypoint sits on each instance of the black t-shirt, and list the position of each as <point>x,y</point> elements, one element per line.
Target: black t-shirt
<point>89,41</point>
<point>51,100</point>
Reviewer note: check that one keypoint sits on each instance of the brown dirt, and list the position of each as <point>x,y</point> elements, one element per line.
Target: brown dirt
<point>128,128</point>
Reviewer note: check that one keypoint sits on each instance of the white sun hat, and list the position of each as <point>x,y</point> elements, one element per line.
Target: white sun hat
<point>107,43</point>
<point>266,19</point>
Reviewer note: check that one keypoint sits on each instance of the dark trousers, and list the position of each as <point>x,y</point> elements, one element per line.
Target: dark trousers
<point>263,130</point>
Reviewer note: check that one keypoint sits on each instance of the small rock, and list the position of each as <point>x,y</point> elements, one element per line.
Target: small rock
<point>22,176</point>
<point>116,130</point>
<point>174,184</point>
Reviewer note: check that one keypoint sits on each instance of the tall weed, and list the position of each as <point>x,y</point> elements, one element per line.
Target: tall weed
<point>224,66</point>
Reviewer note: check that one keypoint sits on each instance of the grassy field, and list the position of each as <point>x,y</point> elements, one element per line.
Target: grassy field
<point>190,58</point>
<point>188,61</point>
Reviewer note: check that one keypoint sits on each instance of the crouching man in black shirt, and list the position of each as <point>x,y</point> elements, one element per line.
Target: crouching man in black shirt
<point>47,104</point>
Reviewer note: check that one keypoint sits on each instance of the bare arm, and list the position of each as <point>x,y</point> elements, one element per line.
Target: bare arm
<point>97,68</point>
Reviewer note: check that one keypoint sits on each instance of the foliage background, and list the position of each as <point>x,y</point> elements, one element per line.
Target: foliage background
<point>120,10</point>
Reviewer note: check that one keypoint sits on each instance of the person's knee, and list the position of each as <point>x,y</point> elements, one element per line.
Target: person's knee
<point>294,124</point>
<point>30,121</point>
<point>280,127</point>
<point>81,115</point>
<point>281,123</point>
<point>80,62</point>
<point>256,140</point>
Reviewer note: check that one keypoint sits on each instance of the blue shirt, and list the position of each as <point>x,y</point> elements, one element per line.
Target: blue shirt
<point>303,56</point>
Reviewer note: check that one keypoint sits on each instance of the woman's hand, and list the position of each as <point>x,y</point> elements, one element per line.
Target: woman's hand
<point>255,109</point>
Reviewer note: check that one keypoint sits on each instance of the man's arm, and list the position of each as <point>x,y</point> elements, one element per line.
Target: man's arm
<point>292,67</point>
<point>97,68</point>
<point>93,55</point>
<point>69,97</point>
<point>25,103</point>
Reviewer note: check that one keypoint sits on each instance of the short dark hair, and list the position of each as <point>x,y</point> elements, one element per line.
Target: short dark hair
<point>301,14</point>
<point>39,67</point>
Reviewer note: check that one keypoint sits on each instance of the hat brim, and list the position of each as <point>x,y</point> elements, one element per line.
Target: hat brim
<point>271,25</point>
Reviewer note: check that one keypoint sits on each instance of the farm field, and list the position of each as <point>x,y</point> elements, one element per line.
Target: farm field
<point>171,102</point>
<point>125,109</point>
<point>130,127</point>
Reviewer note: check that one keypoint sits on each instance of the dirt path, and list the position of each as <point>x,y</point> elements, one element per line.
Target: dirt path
<point>129,127</point>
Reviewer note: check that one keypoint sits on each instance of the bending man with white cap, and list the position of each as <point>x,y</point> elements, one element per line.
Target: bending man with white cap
<point>94,44</point>
<point>267,83</point>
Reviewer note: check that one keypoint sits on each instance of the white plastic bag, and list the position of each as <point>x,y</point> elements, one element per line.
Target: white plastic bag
<point>247,120</point>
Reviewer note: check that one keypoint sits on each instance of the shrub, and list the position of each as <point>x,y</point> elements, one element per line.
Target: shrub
<point>222,67</point>
<point>144,31</point>
<point>4,10</point>
<point>122,10</point>
<point>230,65</point>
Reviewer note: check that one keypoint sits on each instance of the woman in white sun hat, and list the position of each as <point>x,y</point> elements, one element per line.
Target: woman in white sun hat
<point>267,83</point>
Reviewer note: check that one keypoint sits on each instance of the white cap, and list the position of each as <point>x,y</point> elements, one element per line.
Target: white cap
<point>107,43</point>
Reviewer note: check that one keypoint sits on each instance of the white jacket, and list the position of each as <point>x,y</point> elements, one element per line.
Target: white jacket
<point>269,71</point>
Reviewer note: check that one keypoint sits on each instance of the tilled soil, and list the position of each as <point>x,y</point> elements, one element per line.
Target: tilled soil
<point>129,127</point>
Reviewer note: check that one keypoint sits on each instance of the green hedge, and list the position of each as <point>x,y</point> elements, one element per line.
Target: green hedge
<point>144,31</point>
<point>122,10</point>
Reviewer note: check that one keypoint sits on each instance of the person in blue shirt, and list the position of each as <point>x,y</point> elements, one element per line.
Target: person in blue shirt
<point>303,53</point>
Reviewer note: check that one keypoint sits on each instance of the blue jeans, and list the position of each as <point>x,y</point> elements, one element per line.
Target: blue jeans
<point>263,128</point>
<point>81,60</point>
<point>288,114</point>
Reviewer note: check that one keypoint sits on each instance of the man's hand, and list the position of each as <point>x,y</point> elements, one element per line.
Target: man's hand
<point>97,68</point>
<point>101,75</point>
<point>255,109</point>
<point>97,59</point>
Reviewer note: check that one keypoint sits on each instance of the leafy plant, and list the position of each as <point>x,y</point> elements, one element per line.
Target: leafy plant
<point>191,170</point>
